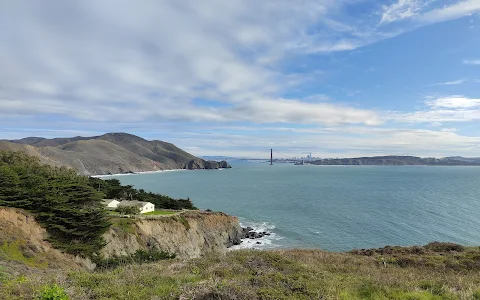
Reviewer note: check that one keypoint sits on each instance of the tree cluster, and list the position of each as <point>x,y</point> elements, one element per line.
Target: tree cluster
<point>114,190</point>
<point>62,201</point>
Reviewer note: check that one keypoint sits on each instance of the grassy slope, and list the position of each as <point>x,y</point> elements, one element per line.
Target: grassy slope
<point>161,213</point>
<point>293,274</point>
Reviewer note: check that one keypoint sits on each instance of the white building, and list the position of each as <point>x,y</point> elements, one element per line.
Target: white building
<point>110,203</point>
<point>144,207</point>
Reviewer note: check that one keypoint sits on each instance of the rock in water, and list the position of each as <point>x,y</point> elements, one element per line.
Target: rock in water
<point>197,164</point>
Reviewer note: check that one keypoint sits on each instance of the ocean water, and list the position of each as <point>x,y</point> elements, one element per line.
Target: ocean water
<point>335,208</point>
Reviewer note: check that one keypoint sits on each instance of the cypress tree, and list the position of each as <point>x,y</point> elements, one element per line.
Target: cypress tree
<point>62,201</point>
<point>10,193</point>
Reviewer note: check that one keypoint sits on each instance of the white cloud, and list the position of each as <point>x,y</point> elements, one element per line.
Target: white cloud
<point>454,11</point>
<point>438,116</point>
<point>158,65</point>
<point>455,82</point>
<point>349,141</point>
<point>471,61</point>
<point>128,62</point>
<point>291,111</point>
<point>454,102</point>
<point>439,110</point>
<point>417,12</point>
<point>401,10</point>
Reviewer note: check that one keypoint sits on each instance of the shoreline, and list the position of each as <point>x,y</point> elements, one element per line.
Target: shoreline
<point>138,173</point>
<point>154,172</point>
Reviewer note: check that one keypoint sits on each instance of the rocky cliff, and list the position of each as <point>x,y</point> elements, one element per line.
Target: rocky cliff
<point>23,244</point>
<point>111,153</point>
<point>188,235</point>
<point>198,164</point>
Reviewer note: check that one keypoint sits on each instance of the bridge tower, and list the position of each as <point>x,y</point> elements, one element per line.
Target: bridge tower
<point>271,156</point>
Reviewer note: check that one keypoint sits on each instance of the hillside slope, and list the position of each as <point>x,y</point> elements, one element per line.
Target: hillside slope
<point>111,153</point>
<point>23,247</point>
<point>400,161</point>
<point>415,273</point>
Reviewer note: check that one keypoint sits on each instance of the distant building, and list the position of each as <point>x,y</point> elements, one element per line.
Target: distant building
<point>110,203</point>
<point>144,207</point>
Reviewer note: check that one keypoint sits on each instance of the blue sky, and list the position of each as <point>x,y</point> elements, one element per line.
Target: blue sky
<point>330,77</point>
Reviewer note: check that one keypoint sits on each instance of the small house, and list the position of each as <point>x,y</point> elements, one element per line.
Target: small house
<point>110,203</point>
<point>144,207</point>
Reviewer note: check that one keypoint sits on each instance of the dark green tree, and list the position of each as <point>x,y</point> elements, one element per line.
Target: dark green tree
<point>62,201</point>
<point>10,192</point>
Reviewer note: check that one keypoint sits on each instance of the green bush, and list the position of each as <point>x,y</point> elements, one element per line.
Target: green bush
<point>53,292</point>
<point>140,256</point>
<point>128,210</point>
<point>444,247</point>
<point>3,274</point>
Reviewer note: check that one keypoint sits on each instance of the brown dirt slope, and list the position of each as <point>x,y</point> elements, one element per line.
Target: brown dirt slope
<point>23,247</point>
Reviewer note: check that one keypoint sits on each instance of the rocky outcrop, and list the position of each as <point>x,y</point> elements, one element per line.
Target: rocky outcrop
<point>250,233</point>
<point>189,235</point>
<point>198,164</point>
<point>224,165</point>
<point>111,153</point>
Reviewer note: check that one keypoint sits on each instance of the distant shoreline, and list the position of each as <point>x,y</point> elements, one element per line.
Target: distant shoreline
<point>152,172</point>
<point>139,173</point>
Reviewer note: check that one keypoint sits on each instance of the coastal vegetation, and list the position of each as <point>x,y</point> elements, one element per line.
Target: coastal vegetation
<point>432,272</point>
<point>68,206</point>
<point>63,202</point>
<point>160,213</point>
<point>112,189</point>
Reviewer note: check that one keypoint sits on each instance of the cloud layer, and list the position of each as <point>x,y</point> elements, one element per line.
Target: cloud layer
<point>91,60</point>
<point>125,66</point>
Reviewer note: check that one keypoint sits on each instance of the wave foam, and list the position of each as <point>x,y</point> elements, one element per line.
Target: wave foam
<point>266,242</point>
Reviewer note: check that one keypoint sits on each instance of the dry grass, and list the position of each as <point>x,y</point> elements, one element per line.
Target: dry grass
<point>287,274</point>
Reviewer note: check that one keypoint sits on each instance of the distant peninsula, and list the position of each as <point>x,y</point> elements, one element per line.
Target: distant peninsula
<point>111,153</point>
<point>399,161</point>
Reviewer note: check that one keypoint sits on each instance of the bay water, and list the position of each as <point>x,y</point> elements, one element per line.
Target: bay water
<point>335,208</point>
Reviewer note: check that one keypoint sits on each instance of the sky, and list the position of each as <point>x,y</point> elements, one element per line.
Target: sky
<point>335,78</point>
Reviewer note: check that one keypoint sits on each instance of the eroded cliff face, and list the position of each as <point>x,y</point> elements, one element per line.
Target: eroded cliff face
<point>23,245</point>
<point>200,164</point>
<point>189,235</point>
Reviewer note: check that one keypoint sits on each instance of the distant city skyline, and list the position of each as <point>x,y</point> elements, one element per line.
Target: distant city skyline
<point>335,78</point>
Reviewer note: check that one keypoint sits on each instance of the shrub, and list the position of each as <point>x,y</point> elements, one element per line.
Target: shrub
<point>140,256</point>
<point>128,210</point>
<point>53,292</point>
<point>444,247</point>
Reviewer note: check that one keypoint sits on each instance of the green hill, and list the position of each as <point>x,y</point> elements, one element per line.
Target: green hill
<point>111,153</point>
